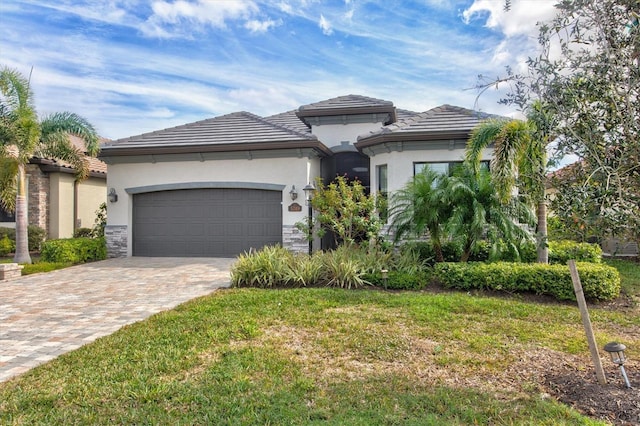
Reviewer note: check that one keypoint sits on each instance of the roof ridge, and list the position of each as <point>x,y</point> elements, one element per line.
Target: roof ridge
<point>284,127</point>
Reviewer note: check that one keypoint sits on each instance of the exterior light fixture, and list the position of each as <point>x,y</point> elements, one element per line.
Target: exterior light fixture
<point>113,197</point>
<point>385,277</point>
<point>616,351</point>
<point>293,193</point>
<point>309,190</point>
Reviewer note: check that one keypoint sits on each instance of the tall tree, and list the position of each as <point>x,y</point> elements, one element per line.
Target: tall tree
<point>519,162</point>
<point>23,136</point>
<point>588,73</point>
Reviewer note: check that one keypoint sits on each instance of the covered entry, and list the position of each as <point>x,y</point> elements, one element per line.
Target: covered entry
<point>205,222</point>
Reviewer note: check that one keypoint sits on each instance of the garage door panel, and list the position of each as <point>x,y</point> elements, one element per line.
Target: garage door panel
<point>205,222</point>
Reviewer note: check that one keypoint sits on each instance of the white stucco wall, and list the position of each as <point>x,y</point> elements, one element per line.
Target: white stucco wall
<point>400,164</point>
<point>334,134</point>
<point>280,171</point>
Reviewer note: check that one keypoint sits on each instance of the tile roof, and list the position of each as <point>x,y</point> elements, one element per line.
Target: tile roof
<point>231,132</point>
<point>348,105</point>
<point>289,119</point>
<point>348,101</point>
<point>95,165</point>
<point>439,122</point>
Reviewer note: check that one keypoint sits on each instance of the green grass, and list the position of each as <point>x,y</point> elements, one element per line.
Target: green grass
<point>629,275</point>
<point>37,266</point>
<point>325,356</point>
<point>317,356</point>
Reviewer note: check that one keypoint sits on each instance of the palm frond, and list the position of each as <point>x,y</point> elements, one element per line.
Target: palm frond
<point>481,137</point>
<point>15,89</point>
<point>8,172</point>
<point>73,124</point>
<point>58,145</point>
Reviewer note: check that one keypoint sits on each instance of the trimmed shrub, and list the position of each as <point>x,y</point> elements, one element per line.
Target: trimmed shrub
<point>562,251</point>
<point>599,282</point>
<point>35,237</point>
<point>6,245</point>
<point>74,250</point>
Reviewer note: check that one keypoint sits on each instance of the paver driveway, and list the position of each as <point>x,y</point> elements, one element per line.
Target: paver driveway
<point>45,315</point>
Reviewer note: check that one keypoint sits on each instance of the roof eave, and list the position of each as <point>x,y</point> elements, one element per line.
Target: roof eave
<point>119,151</point>
<point>380,138</point>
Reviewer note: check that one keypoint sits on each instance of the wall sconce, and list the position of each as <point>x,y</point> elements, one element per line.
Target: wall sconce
<point>113,197</point>
<point>616,351</point>
<point>293,193</point>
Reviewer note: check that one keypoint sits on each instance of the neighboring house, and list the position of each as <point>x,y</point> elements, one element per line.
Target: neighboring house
<point>225,185</point>
<point>611,246</point>
<point>56,202</point>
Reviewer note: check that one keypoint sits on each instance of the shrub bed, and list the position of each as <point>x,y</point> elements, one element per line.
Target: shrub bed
<point>74,250</point>
<point>35,236</point>
<point>345,267</point>
<point>559,252</point>
<point>599,282</point>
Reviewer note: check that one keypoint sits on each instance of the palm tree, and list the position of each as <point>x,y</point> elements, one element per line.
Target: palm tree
<point>419,208</point>
<point>520,161</point>
<point>478,211</point>
<point>23,136</point>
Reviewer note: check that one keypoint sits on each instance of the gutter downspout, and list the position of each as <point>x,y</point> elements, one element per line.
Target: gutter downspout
<point>75,207</point>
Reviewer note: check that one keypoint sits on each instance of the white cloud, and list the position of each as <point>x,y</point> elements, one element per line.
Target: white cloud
<point>325,25</point>
<point>520,19</point>
<point>256,26</point>
<point>180,18</point>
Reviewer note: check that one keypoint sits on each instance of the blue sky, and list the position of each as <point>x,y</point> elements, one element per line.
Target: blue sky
<point>134,66</point>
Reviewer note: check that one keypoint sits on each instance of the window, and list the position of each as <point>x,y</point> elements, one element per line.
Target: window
<point>381,173</point>
<point>443,168</point>
<point>382,179</point>
<point>6,216</point>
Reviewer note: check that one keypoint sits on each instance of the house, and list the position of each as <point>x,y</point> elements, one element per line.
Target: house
<point>56,202</point>
<point>224,185</point>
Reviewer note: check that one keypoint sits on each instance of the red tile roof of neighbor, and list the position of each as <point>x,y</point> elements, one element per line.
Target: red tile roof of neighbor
<point>96,167</point>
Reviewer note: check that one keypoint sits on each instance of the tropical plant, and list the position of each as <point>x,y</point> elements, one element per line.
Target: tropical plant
<point>478,210</point>
<point>343,208</point>
<point>23,136</point>
<point>519,161</point>
<point>420,208</point>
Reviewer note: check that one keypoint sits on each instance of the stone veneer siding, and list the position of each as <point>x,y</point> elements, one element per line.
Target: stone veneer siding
<point>293,239</point>
<point>38,197</point>
<point>116,236</point>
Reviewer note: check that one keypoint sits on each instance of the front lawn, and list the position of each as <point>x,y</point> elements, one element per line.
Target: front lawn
<point>325,356</point>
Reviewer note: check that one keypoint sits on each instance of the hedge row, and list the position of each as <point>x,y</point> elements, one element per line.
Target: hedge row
<point>36,236</point>
<point>74,250</point>
<point>559,252</point>
<point>599,282</point>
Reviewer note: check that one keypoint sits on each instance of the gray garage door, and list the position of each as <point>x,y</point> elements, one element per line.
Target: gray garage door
<point>205,222</point>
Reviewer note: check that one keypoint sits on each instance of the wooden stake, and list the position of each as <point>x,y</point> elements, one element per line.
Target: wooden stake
<point>586,322</point>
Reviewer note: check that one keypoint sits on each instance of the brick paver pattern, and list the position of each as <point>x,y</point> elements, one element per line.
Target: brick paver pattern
<point>45,315</point>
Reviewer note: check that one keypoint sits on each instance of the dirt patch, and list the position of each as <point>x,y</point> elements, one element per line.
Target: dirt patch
<point>613,402</point>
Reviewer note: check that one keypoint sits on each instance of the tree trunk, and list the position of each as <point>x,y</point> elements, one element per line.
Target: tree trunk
<point>437,248</point>
<point>541,233</point>
<point>22,222</point>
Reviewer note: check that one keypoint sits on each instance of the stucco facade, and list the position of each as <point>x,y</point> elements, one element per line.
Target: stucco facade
<point>350,135</point>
